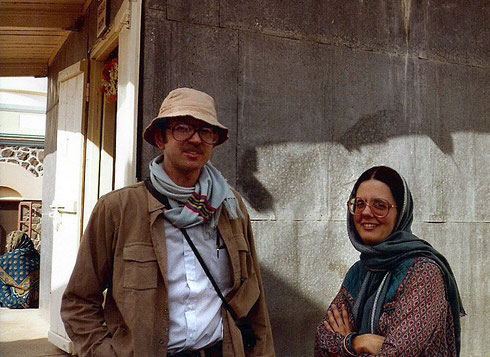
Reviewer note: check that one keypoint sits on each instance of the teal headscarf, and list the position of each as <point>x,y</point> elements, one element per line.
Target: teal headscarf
<point>401,245</point>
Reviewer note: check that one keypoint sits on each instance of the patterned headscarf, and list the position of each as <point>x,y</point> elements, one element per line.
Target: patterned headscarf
<point>19,272</point>
<point>398,247</point>
<point>18,240</point>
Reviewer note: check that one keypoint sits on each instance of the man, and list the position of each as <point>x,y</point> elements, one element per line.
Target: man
<point>159,301</point>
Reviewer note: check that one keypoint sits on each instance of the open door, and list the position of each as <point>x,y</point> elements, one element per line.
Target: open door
<point>67,204</point>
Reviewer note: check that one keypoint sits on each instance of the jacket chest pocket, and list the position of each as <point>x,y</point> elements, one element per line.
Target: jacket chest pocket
<point>140,266</point>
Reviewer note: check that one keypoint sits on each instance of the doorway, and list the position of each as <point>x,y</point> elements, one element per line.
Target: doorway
<point>101,129</point>
<point>109,138</point>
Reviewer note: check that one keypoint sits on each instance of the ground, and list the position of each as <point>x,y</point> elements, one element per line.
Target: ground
<point>23,333</point>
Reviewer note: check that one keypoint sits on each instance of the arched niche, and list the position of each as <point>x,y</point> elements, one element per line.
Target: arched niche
<point>18,182</point>
<point>9,193</point>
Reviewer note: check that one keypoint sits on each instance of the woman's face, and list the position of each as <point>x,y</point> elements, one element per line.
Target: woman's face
<point>371,229</point>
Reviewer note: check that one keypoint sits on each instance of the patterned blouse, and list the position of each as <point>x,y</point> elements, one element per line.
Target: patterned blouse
<point>417,322</point>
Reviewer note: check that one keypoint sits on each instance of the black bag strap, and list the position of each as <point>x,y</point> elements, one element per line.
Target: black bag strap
<point>164,200</point>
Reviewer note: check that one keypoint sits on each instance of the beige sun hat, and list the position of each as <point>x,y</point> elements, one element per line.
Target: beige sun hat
<point>187,102</point>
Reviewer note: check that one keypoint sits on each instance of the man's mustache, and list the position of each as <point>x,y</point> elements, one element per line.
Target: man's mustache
<point>191,147</point>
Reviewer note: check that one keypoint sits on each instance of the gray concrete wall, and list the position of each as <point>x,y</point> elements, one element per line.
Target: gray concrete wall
<point>314,93</point>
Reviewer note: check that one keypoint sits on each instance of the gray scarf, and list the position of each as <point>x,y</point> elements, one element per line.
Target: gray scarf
<point>379,260</point>
<point>202,203</point>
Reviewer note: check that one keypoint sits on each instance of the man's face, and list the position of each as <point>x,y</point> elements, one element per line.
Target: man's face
<point>183,160</point>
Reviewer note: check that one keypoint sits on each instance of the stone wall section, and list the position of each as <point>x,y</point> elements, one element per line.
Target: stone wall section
<point>36,223</point>
<point>30,158</point>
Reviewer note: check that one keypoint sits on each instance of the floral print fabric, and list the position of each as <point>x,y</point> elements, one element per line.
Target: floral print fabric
<point>418,322</point>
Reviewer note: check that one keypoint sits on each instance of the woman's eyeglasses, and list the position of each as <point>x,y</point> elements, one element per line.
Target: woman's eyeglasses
<point>379,207</point>
<point>183,132</point>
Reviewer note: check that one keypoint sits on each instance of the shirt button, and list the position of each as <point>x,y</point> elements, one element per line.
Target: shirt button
<point>161,341</point>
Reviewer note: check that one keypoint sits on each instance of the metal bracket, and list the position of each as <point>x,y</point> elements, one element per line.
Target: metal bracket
<point>87,92</point>
<point>68,207</point>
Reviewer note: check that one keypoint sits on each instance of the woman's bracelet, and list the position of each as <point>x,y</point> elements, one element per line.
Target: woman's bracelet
<point>347,344</point>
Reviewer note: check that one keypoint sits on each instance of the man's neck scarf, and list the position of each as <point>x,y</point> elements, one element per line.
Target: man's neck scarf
<point>200,204</point>
<point>379,260</point>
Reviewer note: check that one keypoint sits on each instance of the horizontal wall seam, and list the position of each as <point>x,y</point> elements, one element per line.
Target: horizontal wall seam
<point>360,49</point>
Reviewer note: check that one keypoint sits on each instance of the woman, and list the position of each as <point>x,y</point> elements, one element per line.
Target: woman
<point>400,298</point>
<point>19,273</point>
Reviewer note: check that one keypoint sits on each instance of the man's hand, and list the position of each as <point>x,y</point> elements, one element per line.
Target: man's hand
<point>367,343</point>
<point>338,321</point>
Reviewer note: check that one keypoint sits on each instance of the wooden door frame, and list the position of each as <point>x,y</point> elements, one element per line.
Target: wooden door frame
<point>124,33</point>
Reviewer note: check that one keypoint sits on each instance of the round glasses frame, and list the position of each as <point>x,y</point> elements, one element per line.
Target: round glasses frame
<point>182,132</point>
<point>376,211</point>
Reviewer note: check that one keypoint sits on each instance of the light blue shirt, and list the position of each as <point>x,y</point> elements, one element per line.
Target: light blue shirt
<point>194,306</point>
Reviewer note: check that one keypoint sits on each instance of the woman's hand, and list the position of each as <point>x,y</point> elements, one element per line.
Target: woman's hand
<point>338,321</point>
<point>367,343</point>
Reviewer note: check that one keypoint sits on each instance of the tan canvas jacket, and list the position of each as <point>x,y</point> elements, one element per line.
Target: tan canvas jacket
<point>123,249</point>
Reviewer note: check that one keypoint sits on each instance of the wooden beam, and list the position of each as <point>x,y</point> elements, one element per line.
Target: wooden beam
<point>27,15</point>
<point>43,7</point>
<point>26,53</point>
<point>23,69</point>
<point>45,2</point>
<point>58,47</point>
<point>33,31</point>
<point>57,21</point>
<point>23,40</point>
<point>4,30</point>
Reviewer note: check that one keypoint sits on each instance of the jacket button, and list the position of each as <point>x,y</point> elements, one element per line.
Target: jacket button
<point>161,341</point>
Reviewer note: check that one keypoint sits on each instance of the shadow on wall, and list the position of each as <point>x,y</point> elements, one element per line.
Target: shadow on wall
<point>373,129</point>
<point>292,336</point>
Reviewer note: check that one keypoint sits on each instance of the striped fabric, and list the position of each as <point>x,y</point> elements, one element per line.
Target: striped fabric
<point>199,204</point>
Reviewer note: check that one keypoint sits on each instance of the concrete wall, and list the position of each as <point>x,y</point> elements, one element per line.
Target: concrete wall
<point>314,93</point>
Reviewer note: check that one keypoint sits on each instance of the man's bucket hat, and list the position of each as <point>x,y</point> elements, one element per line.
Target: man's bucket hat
<point>186,102</point>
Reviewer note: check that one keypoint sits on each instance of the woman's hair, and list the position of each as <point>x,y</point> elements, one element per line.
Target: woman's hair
<point>389,177</point>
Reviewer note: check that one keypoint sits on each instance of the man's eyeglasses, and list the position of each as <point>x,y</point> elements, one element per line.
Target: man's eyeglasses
<point>379,207</point>
<point>183,132</point>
